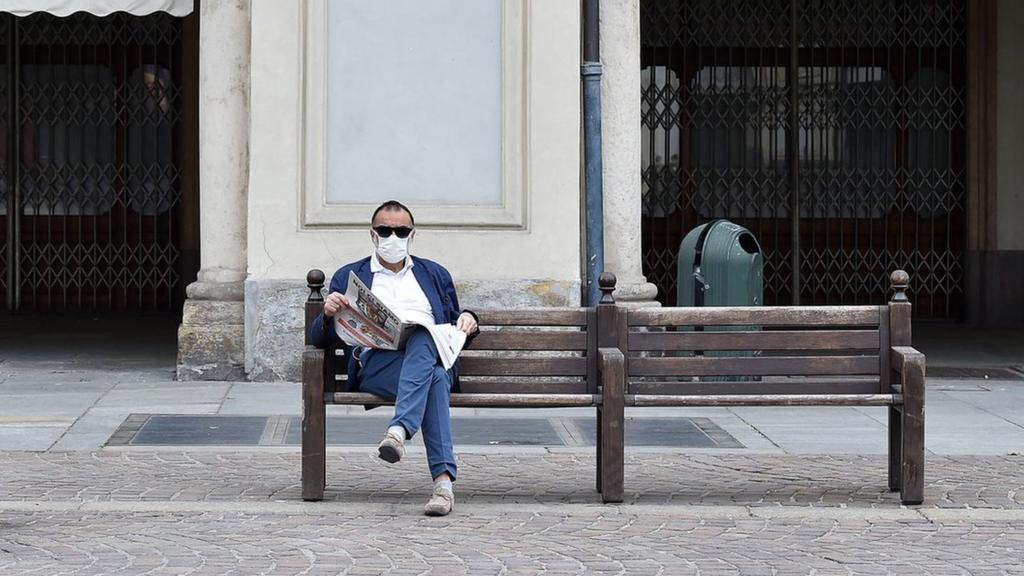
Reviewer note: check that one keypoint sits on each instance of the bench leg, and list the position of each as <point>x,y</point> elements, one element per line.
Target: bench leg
<point>895,447</point>
<point>611,420</point>
<point>611,447</point>
<point>912,469</point>
<point>314,433</point>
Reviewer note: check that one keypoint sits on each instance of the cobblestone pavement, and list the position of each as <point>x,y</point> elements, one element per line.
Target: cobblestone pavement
<point>207,512</point>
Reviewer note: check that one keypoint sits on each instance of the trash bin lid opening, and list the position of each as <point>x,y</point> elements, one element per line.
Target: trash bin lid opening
<point>749,244</point>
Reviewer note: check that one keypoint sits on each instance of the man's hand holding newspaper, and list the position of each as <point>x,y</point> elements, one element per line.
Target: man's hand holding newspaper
<point>367,322</point>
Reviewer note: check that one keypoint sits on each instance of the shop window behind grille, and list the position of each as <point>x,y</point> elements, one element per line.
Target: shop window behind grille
<point>835,130</point>
<point>103,162</point>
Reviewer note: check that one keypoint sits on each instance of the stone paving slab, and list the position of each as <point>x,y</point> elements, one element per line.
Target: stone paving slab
<point>29,437</point>
<point>500,542</point>
<point>357,476</point>
<point>196,512</point>
<point>964,416</point>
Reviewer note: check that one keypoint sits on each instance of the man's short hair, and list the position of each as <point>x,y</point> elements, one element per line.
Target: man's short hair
<point>392,206</point>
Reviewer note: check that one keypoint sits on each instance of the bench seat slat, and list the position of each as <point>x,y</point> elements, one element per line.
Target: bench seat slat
<point>756,340</point>
<point>767,400</point>
<point>533,317</point>
<point>527,366</point>
<point>514,339</point>
<point>832,316</point>
<point>755,366</point>
<point>479,400</point>
<point>783,386</point>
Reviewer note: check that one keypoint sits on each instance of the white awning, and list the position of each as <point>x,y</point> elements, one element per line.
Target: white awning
<point>97,7</point>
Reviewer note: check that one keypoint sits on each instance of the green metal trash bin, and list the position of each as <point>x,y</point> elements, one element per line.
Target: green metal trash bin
<point>720,264</point>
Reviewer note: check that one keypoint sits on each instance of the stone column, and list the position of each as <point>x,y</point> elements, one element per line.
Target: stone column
<point>620,120</point>
<point>211,339</point>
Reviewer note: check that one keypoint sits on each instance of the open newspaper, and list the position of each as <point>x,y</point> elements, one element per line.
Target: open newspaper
<point>371,324</point>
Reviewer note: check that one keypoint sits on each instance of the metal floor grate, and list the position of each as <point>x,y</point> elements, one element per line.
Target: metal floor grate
<point>223,430</point>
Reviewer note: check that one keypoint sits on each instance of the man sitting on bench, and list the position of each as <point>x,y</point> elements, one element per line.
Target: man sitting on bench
<point>419,290</point>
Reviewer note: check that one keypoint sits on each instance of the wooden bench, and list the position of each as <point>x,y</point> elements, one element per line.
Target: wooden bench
<point>523,358</point>
<point>610,357</point>
<point>797,356</point>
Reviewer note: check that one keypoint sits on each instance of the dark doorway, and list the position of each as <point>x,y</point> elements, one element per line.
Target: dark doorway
<point>98,162</point>
<point>835,130</point>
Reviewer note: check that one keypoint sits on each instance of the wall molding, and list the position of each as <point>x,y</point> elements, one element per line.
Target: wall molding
<point>317,213</point>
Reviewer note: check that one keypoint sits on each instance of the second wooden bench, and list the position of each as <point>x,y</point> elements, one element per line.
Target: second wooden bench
<point>788,356</point>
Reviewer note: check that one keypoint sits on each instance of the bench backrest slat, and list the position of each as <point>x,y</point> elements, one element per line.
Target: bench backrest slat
<point>533,317</point>
<point>756,340</point>
<point>524,366</point>
<point>832,316</point>
<point>755,366</point>
<point>524,339</point>
<point>777,386</point>
<point>471,385</point>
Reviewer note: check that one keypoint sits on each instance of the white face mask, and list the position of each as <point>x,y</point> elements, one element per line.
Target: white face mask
<point>392,249</point>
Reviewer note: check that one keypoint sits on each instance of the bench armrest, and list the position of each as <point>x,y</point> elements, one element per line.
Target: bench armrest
<point>329,367</point>
<point>904,358</point>
<point>611,364</point>
<point>908,366</point>
<point>908,454</point>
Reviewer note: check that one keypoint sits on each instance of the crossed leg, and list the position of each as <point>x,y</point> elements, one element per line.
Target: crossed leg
<point>421,389</point>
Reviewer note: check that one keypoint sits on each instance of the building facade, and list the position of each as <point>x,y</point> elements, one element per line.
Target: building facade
<point>852,137</point>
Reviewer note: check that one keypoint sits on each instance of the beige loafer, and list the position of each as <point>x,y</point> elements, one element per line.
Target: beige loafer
<point>440,503</point>
<point>391,448</point>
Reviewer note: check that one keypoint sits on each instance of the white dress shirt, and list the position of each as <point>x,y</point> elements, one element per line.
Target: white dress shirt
<point>401,292</point>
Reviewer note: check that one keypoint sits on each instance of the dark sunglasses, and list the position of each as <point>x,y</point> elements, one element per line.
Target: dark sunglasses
<point>385,231</point>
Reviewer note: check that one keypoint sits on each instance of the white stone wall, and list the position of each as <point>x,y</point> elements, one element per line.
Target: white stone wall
<point>536,264</point>
<point>547,249</point>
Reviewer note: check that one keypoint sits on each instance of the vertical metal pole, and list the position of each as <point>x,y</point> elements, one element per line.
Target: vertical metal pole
<point>794,148</point>
<point>591,76</point>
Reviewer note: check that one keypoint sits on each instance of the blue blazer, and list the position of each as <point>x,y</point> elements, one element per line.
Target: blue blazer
<point>436,283</point>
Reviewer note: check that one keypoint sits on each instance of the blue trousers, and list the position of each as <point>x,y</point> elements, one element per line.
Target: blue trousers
<point>420,386</point>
